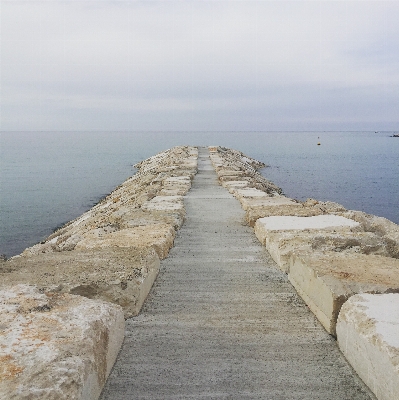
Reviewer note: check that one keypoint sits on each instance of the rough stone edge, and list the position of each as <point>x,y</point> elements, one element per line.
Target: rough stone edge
<point>94,375</point>
<point>93,393</point>
<point>299,269</point>
<point>366,350</point>
<point>217,165</point>
<point>146,287</point>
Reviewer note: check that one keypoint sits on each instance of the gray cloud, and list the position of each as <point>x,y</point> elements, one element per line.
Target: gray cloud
<point>199,65</point>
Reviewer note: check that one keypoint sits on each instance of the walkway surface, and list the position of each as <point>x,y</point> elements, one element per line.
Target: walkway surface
<point>222,321</point>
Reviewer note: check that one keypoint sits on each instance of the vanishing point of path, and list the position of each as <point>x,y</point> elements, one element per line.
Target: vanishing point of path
<point>222,321</point>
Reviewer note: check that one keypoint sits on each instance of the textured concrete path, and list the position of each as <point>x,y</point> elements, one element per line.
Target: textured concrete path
<point>222,322</point>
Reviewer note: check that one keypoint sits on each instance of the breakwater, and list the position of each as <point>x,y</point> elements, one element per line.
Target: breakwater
<point>343,263</point>
<point>111,255</point>
<point>64,300</point>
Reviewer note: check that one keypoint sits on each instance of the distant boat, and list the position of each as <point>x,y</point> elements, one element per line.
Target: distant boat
<point>395,135</point>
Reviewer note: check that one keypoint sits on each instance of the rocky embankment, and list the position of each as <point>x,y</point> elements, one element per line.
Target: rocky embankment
<point>343,263</point>
<point>64,300</point>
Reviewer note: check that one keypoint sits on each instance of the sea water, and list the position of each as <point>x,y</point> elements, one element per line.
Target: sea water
<point>49,178</point>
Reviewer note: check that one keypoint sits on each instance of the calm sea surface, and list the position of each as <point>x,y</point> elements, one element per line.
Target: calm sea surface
<point>49,178</point>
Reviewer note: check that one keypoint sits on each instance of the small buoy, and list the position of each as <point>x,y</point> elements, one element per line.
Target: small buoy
<point>318,144</point>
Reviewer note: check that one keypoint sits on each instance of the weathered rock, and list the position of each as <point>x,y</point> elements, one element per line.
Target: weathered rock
<point>176,186</point>
<point>177,181</point>
<point>138,217</point>
<point>324,253</point>
<point>108,252</point>
<point>255,209</point>
<point>232,165</point>
<point>327,207</point>
<point>164,203</point>
<point>250,193</point>
<point>378,225</point>
<point>160,236</point>
<point>269,202</point>
<point>235,157</point>
<point>230,173</point>
<point>368,336</point>
<point>111,253</point>
<point>123,276</point>
<point>282,244</point>
<point>326,280</point>
<point>56,346</point>
<point>167,174</point>
<point>231,186</point>
<point>267,225</point>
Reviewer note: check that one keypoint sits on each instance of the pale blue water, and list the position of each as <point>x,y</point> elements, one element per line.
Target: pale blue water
<point>48,178</point>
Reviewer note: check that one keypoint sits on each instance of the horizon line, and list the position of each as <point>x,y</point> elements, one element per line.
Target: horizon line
<point>192,131</point>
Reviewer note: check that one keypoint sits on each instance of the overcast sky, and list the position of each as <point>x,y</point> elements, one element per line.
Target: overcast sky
<point>199,65</point>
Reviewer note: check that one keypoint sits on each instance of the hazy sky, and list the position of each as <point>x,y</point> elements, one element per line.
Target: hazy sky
<point>199,65</point>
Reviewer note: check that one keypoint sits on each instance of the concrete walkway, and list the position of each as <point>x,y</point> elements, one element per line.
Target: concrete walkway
<point>222,322</point>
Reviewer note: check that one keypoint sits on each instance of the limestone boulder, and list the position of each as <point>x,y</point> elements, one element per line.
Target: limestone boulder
<point>177,181</point>
<point>56,345</point>
<point>368,336</point>
<point>326,207</point>
<point>232,165</point>
<point>256,210</point>
<point>325,280</point>
<point>251,193</point>
<point>229,173</point>
<point>123,276</point>
<point>267,225</point>
<point>190,165</point>
<point>164,203</point>
<point>175,186</point>
<point>165,175</point>
<point>268,205</point>
<point>232,186</point>
<point>281,244</point>
<point>378,225</point>
<point>160,236</point>
<point>280,206</point>
<point>130,218</point>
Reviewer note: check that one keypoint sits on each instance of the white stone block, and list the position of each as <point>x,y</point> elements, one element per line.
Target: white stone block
<point>281,244</point>
<point>160,236</point>
<point>251,192</point>
<point>235,184</point>
<point>121,275</point>
<point>264,226</point>
<point>277,223</point>
<point>266,202</point>
<point>229,173</point>
<point>164,203</point>
<point>368,336</point>
<point>177,180</point>
<point>326,280</point>
<point>56,346</point>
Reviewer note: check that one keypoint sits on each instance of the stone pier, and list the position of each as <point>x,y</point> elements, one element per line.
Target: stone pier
<point>223,321</point>
<point>197,278</point>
